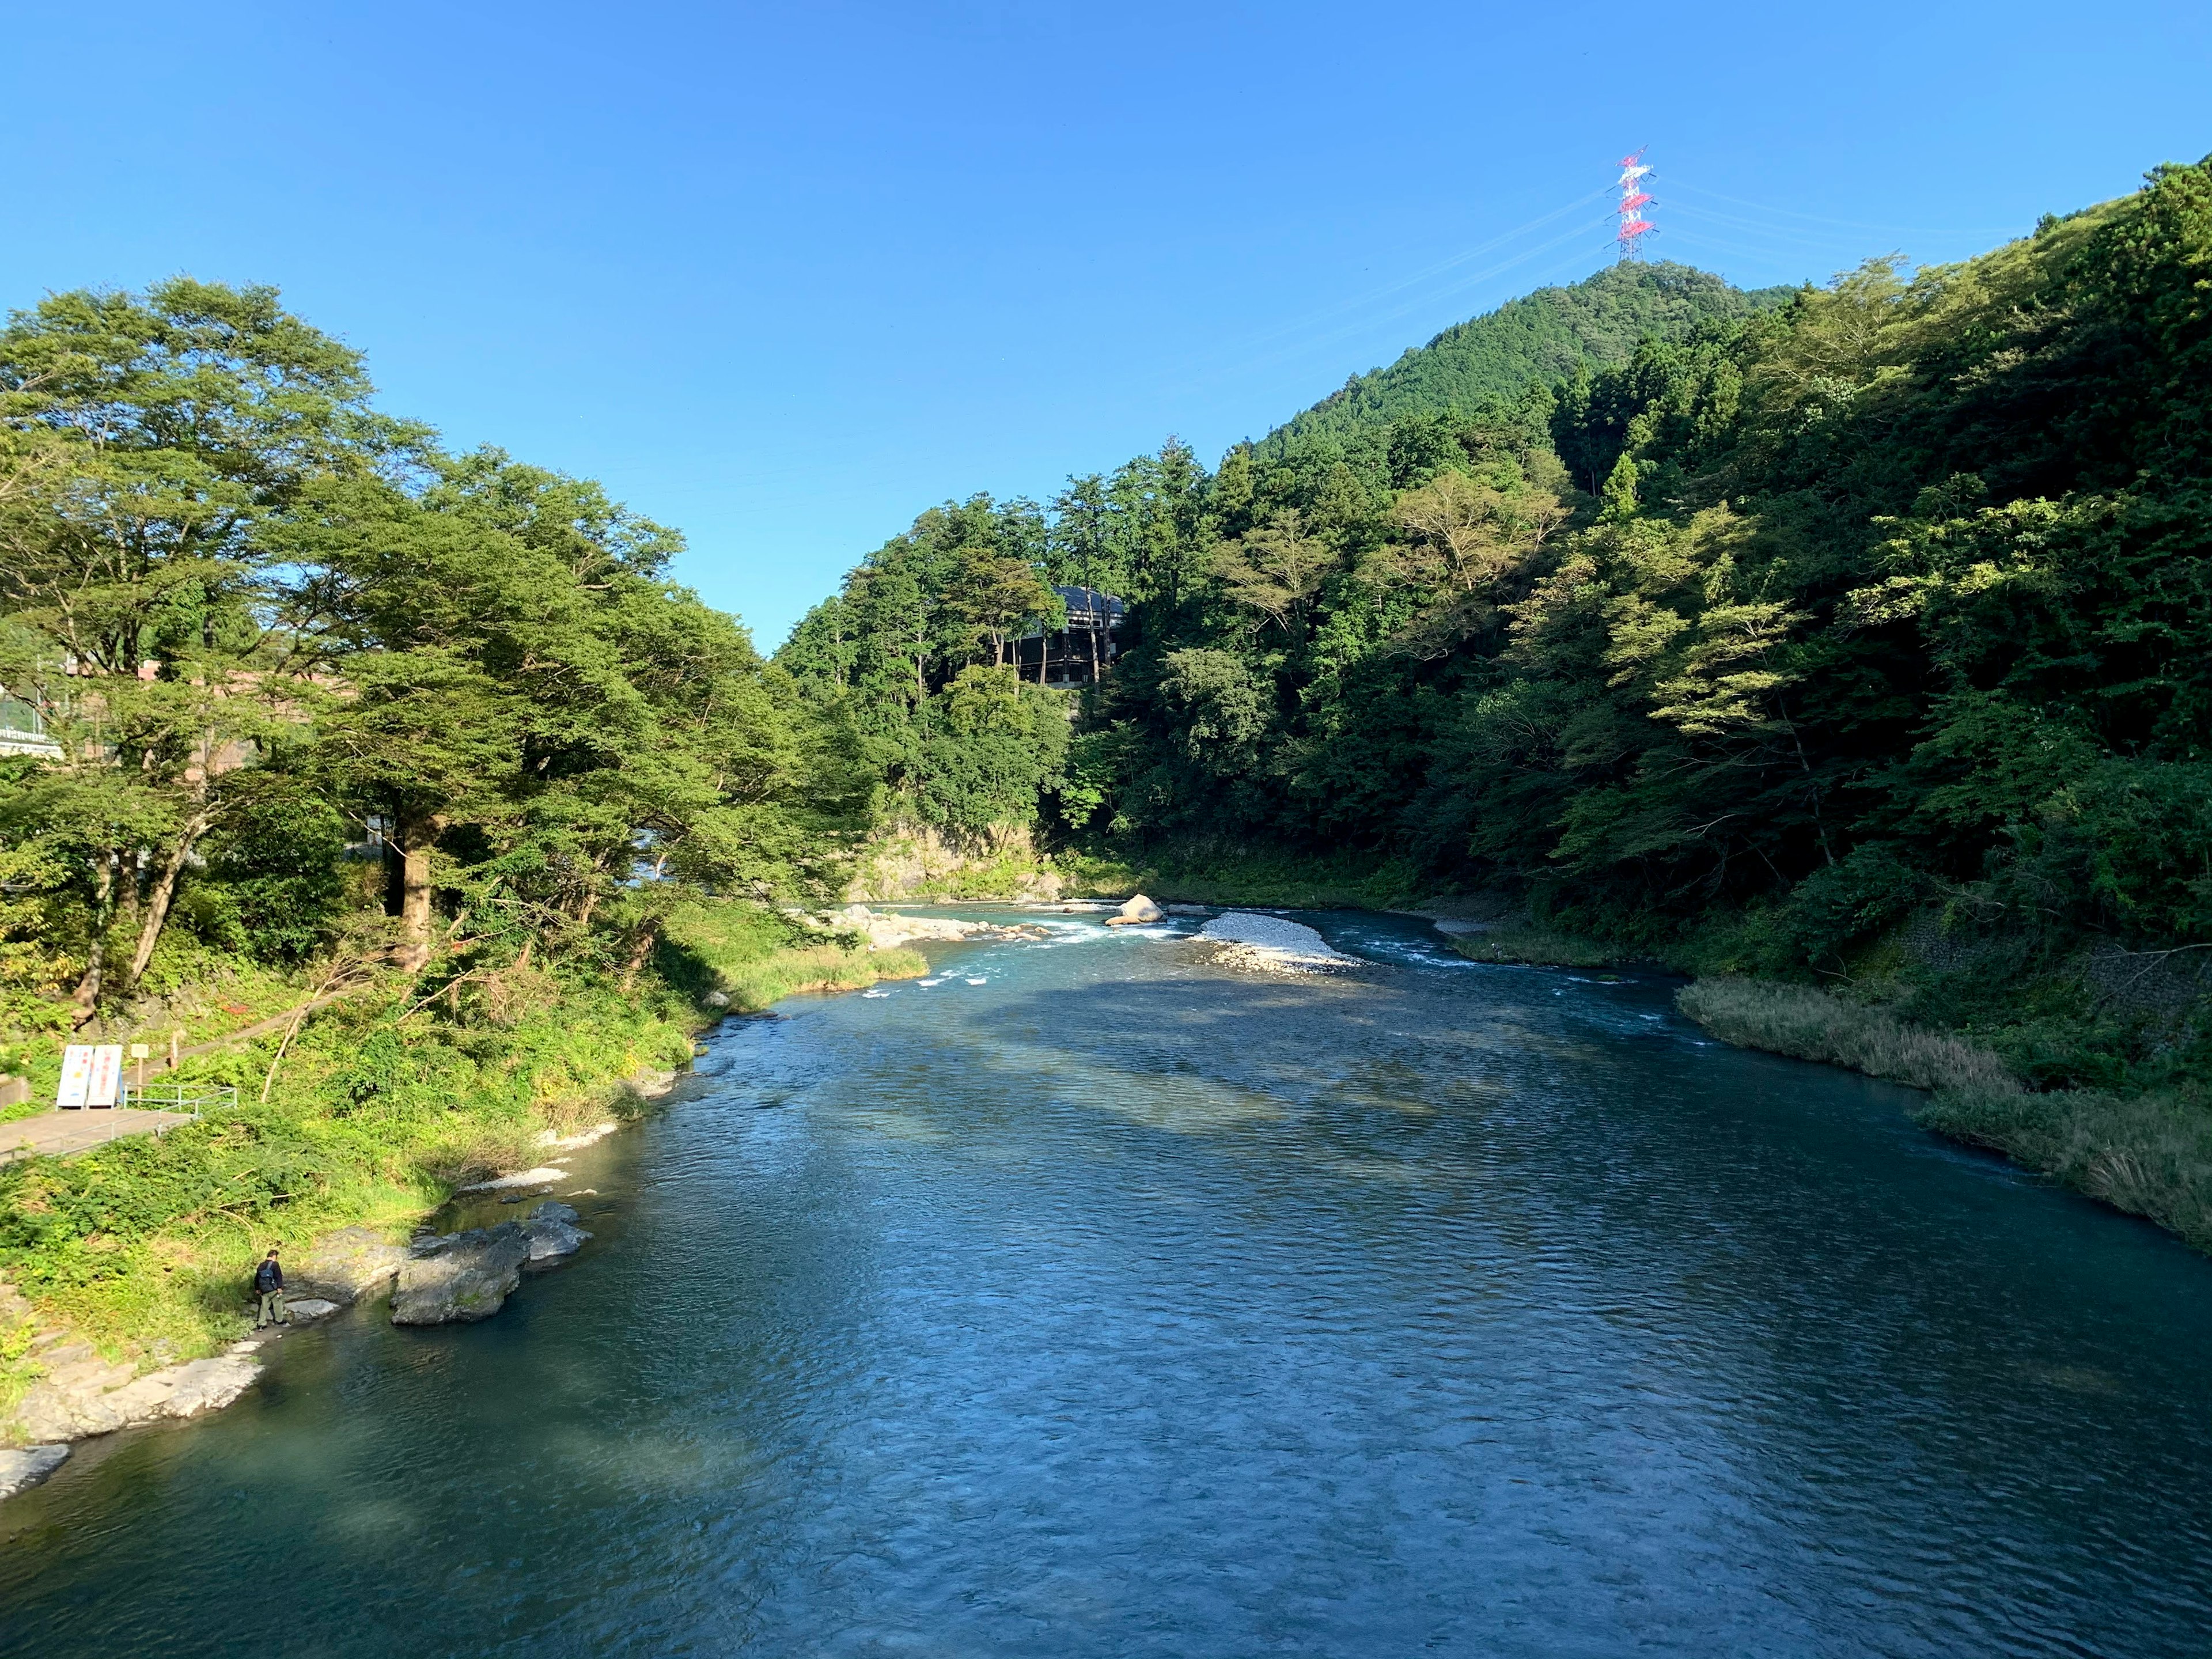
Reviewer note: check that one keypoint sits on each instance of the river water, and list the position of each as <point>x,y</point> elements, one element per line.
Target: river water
<point>1113,1305</point>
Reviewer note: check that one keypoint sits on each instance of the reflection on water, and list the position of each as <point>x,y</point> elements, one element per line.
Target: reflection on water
<point>1115,1306</point>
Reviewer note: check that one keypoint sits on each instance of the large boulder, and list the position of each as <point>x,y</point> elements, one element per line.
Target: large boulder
<point>345,1266</point>
<point>460,1277</point>
<point>1137,910</point>
<point>554,1236</point>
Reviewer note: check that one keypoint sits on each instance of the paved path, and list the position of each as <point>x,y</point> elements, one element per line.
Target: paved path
<point>56,1134</point>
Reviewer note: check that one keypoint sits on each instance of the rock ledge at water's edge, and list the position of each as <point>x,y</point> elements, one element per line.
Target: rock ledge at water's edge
<point>456,1277</point>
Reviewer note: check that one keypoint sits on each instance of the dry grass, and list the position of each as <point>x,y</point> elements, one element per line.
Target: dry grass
<point>1808,1023</point>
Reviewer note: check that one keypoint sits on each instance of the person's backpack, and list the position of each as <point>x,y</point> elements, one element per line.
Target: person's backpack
<point>264,1278</point>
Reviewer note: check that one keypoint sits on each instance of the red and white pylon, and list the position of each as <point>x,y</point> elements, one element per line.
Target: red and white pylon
<point>1634,199</point>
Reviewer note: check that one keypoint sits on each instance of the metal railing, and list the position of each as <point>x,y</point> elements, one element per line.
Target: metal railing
<point>197,1098</point>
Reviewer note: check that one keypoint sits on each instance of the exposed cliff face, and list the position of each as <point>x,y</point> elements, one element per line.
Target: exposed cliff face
<point>922,861</point>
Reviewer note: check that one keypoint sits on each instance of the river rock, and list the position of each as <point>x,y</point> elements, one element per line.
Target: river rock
<point>1137,910</point>
<point>345,1266</point>
<point>24,1468</point>
<point>554,1236</point>
<point>461,1276</point>
<point>306,1309</point>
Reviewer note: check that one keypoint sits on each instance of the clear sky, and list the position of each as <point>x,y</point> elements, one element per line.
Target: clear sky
<point>784,275</point>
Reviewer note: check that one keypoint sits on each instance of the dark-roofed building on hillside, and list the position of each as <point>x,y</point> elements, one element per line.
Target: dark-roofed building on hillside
<point>1081,652</point>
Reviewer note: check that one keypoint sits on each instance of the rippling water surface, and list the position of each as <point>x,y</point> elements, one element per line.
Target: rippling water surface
<point>1112,1305</point>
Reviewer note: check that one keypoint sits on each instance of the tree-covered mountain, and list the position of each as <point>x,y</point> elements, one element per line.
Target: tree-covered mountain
<point>1541,339</point>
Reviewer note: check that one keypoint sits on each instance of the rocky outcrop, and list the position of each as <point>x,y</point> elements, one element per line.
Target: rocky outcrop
<point>22,1469</point>
<point>460,1277</point>
<point>81,1395</point>
<point>346,1266</point>
<point>914,860</point>
<point>554,1237</point>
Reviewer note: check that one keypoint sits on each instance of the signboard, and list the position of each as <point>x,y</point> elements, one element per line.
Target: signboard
<point>106,1075</point>
<point>76,1075</point>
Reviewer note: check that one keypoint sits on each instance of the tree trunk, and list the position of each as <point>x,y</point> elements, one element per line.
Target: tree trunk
<point>414,835</point>
<point>639,951</point>
<point>164,894</point>
<point>86,997</point>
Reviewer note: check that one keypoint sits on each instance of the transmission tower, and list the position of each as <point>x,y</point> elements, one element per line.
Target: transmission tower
<point>1634,199</point>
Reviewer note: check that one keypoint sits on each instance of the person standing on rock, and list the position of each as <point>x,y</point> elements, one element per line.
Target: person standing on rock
<point>269,1283</point>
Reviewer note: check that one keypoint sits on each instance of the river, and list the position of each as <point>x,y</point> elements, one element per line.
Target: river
<point>1115,1305</point>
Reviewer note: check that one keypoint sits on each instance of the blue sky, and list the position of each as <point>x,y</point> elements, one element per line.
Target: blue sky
<point>783,275</point>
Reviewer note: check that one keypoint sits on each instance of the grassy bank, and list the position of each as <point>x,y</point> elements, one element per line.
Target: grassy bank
<point>755,957</point>
<point>1808,1023</point>
<point>2149,1154</point>
<point>382,1105</point>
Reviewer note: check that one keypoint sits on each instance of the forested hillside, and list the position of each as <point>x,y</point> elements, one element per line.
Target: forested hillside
<point>1540,340</point>
<point>1862,639</point>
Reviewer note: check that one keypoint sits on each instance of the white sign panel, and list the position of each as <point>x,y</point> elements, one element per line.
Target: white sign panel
<point>76,1074</point>
<point>106,1075</point>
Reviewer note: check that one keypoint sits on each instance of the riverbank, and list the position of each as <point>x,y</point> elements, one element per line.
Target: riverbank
<point>133,1257</point>
<point>2149,1155</point>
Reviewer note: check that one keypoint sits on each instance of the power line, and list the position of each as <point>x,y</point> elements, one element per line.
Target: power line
<point>1849,224</point>
<point>1422,275</point>
<point>1313,341</point>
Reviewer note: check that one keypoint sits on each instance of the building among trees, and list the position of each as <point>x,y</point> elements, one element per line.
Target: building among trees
<point>1082,651</point>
